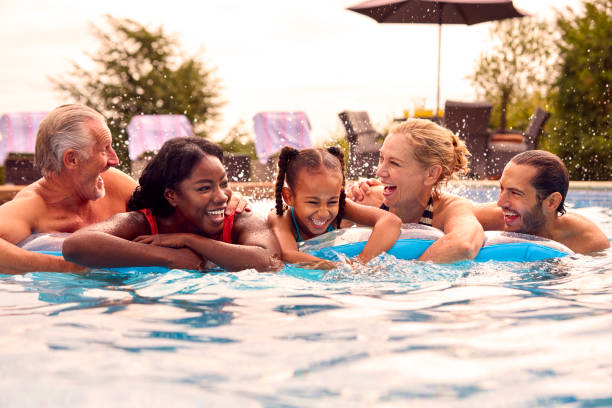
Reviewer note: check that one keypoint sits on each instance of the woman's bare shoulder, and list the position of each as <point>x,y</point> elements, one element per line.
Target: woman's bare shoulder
<point>446,201</point>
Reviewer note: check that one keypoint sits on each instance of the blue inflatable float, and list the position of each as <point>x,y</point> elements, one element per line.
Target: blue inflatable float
<point>413,241</point>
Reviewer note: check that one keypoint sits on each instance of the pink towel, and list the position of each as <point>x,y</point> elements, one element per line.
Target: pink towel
<point>149,132</point>
<point>274,130</point>
<point>18,132</point>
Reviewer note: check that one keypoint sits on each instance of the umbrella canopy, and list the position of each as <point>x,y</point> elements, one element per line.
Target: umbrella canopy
<point>437,12</point>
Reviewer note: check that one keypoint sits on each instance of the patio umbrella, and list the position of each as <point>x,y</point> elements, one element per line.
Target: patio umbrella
<point>437,12</point>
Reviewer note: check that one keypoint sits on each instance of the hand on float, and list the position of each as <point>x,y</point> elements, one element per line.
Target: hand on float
<point>322,264</point>
<point>165,240</point>
<point>237,203</point>
<point>185,258</point>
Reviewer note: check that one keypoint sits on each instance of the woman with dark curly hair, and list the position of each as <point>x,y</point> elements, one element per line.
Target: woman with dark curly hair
<point>178,220</point>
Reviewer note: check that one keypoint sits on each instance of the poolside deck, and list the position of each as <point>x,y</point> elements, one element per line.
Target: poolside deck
<point>262,189</point>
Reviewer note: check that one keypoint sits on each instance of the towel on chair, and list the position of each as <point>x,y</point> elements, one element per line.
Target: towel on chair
<point>149,132</point>
<point>274,130</point>
<point>18,132</point>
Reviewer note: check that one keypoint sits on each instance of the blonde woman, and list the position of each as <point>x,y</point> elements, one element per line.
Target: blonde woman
<point>416,159</point>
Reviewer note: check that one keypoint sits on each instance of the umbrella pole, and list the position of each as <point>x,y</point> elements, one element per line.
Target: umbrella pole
<point>438,90</point>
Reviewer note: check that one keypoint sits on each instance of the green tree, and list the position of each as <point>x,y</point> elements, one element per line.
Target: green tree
<point>239,139</point>
<point>582,133</point>
<point>515,67</point>
<point>141,71</point>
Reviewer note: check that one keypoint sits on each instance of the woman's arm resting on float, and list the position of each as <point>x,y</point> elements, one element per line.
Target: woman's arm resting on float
<point>463,235</point>
<point>256,246</point>
<point>17,218</point>
<point>386,228</point>
<point>107,244</point>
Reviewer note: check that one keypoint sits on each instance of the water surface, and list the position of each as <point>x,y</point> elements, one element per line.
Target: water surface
<point>399,332</point>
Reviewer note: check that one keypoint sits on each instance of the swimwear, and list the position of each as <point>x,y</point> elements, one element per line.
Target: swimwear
<point>299,237</point>
<point>426,217</point>
<point>226,234</point>
<point>151,220</point>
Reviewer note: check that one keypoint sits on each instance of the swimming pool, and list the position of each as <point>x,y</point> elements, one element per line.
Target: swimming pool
<point>489,334</point>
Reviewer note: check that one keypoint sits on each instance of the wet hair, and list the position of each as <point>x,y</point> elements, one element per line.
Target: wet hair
<point>291,161</point>
<point>172,164</point>
<point>434,144</point>
<point>551,174</point>
<point>65,127</point>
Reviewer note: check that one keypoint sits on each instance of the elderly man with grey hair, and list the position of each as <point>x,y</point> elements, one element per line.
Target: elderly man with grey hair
<point>79,187</point>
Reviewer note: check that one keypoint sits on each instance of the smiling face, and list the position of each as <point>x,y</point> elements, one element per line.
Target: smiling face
<point>519,200</point>
<point>100,158</point>
<point>402,175</point>
<point>315,200</point>
<point>201,198</point>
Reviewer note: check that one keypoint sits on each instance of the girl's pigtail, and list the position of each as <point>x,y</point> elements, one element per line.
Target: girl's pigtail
<point>336,151</point>
<point>286,154</point>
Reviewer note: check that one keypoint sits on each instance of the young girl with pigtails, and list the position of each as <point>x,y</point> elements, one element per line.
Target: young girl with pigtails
<point>311,184</point>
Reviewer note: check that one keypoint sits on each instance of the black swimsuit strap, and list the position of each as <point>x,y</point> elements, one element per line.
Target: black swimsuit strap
<point>426,217</point>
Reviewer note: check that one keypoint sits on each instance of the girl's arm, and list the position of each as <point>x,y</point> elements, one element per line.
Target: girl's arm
<point>463,234</point>
<point>107,244</point>
<point>281,226</point>
<point>385,231</point>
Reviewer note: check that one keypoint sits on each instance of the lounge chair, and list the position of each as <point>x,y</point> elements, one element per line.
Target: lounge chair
<point>363,144</point>
<point>147,134</point>
<point>274,130</point>
<point>469,121</point>
<point>19,169</point>
<point>504,147</point>
<point>17,142</point>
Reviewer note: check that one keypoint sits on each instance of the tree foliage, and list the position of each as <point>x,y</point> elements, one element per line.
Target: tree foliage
<point>582,133</point>
<point>240,139</point>
<point>515,67</point>
<point>142,71</point>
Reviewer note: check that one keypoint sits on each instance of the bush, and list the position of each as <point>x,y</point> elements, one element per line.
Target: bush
<point>581,129</point>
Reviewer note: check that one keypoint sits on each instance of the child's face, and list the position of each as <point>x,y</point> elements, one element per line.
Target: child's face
<point>315,200</point>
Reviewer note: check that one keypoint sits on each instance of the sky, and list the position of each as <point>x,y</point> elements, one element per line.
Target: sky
<point>269,55</point>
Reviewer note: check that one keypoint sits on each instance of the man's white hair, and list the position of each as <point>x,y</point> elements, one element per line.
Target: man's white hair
<point>62,129</point>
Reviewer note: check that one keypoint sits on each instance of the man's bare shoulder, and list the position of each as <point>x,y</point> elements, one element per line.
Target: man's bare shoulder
<point>20,216</point>
<point>29,198</point>
<point>580,233</point>
<point>117,181</point>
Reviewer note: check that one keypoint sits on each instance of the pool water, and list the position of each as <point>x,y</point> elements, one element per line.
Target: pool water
<point>396,333</point>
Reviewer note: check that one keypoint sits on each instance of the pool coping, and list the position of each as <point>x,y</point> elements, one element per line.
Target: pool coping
<point>264,189</point>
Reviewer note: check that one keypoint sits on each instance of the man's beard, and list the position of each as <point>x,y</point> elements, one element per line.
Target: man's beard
<point>533,220</point>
